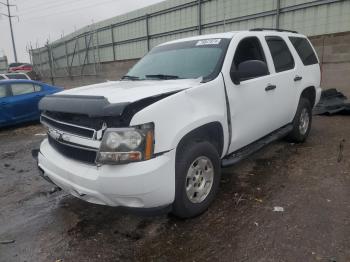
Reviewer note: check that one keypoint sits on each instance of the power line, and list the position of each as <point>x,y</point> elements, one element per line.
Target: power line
<point>11,28</point>
<point>70,11</point>
<point>39,3</point>
<point>50,5</point>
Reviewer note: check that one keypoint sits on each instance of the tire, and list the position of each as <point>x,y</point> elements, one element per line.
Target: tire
<point>195,163</point>
<point>301,122</point>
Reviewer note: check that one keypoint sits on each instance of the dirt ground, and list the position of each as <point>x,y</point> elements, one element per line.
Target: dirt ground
<point>310,181</point>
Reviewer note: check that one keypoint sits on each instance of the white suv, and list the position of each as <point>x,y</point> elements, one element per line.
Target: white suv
<point>159,136</point>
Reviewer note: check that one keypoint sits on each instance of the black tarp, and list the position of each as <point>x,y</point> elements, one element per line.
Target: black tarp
<point>332,102</point>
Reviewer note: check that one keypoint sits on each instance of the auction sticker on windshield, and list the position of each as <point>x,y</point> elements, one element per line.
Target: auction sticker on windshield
<point>208,42</point>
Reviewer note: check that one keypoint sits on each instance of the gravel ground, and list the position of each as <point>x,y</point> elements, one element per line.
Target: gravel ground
<point>310,181</point>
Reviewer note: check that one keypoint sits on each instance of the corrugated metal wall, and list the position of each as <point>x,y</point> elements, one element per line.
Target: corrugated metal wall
<point>131,35</point>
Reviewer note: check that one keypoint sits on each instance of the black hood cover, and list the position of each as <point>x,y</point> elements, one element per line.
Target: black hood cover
<point>85,105</point>
<point>96,106</point>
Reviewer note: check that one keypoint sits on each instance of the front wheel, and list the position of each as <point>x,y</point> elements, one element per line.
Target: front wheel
<point>302,122</point>
<point>198,174</point>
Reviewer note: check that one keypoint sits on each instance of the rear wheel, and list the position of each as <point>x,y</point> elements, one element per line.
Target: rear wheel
<point>197,179</point>
<point>302,122</point>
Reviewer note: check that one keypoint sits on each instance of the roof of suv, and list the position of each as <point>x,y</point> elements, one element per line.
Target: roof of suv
<point>229,35</point>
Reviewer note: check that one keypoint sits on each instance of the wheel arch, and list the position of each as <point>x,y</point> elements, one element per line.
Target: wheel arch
<point>211,132</point>
<point>310,94</point>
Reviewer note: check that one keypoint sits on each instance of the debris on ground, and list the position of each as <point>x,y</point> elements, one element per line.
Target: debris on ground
<point>278,209</point>
<point>332,102</point>
<point>40,134</point>
<point>258,200</point>
<point>9,154</point>
<point>341,148</point>
<point>5,242</point>
<point>238,198</point>
<point>54,190</point>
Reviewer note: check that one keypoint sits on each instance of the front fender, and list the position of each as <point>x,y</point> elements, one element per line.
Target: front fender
<point>177,115</point>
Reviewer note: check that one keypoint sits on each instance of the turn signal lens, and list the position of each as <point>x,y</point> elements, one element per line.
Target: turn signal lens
<point>149,145</point>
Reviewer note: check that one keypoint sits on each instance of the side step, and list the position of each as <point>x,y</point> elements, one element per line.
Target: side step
<point>243,153</point>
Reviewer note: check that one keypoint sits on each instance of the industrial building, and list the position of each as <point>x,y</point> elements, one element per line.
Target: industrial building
<point>105,50</point>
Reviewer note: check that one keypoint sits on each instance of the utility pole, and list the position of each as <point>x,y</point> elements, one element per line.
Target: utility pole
<point>11,28</point>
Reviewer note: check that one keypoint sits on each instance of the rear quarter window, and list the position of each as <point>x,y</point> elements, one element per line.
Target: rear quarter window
<point>304,50</point>
<point>37,88</point>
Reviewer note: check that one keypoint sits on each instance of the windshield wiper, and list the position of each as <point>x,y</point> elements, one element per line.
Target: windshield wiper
<point>161,76</point>
<point>131,77</point>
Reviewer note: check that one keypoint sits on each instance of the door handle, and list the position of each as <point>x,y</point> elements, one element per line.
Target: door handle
<point>3,103</point>
<point>298,78</point>
<point>270,87</point>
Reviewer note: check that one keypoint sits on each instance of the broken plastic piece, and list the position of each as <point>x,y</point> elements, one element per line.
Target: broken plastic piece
<point>278,209</point>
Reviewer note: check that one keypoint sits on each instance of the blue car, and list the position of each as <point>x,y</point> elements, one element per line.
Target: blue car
<point>19,100</point>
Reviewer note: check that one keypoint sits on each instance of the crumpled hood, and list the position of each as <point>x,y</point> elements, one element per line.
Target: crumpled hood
<point>131,91</point>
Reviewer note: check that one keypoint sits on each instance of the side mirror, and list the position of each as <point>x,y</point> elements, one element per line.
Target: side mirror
<point>235,76</point>
<point>249,69</point>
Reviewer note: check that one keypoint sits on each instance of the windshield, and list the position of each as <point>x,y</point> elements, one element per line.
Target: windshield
<point>191,59</point>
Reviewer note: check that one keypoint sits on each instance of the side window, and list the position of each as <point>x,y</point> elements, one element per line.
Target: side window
<point>304,50</point>
<point>4,91</point>
<point>22,88</point>
<point>2,78</point>
<point>248,49</point>
<point>16,76</point>
<point>281,55</point>
<point>249,61</point>
<point>37,88</point>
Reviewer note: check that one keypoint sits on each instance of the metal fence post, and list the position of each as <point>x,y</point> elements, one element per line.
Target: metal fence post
<point>113,41</point>
<point>66,55</point>
<point>50,63</point>
<point>98,47</point>
<point>147,31</point>
<point>199,17</point>
<point>278,11</point>
<point>78,53</point>
<point>86,50</point>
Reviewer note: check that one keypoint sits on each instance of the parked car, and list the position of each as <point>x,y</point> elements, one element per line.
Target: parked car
<point>20,68</point>
<point>19,100</point>
<point>14,76</point>
<point>160,136</point>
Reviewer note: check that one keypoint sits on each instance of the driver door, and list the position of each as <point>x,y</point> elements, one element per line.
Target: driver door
<point>253,114</point>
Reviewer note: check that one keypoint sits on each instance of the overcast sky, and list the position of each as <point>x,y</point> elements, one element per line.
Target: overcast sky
<point>43,19</point>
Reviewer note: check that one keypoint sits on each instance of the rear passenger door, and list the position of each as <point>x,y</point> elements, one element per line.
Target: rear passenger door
<point>284,74</point>
<point>308,67</point>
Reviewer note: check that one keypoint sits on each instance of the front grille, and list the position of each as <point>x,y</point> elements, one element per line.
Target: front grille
<point>71,152</point>
<point>76,130</point>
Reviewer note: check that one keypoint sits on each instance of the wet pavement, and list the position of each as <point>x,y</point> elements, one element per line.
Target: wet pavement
<point>310,181</point>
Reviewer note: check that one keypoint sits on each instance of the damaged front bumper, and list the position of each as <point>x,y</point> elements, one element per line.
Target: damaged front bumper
<point>147,184</point>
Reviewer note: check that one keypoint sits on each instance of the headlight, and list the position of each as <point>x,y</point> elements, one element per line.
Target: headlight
<point>124,145</point>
